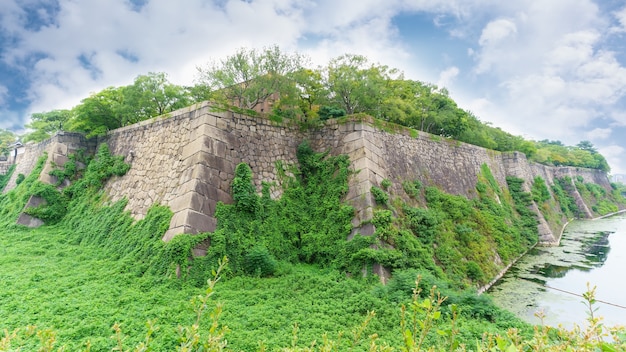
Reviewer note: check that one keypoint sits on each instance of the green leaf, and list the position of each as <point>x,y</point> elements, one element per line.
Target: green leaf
<point>605,346</point>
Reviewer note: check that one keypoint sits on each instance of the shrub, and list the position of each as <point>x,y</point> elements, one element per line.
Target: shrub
<point>244,193</point>
<point>382,218</point>
<point>259,262</point>
<point>412,188</point>
<point>19,179</point>
<point>539,191</point>
<point>474,272</point>
<point>379,195</point>
<point>54,207</point>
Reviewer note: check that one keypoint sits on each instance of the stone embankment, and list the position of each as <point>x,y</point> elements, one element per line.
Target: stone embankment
<point>186,160</point>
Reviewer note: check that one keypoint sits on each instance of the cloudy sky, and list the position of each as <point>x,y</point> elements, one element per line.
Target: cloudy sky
<point>542,69</point>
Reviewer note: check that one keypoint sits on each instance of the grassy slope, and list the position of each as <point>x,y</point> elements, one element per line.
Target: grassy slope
<point>79,291</point>
<point>92,270</point>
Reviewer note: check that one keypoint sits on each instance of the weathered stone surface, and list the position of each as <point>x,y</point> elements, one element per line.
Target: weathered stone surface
<point>186,160</point>
<point>59,159</point>
<point>29,221</point>
<point>34,201</point>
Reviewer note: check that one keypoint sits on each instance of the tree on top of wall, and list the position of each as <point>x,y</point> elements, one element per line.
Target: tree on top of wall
<point>250,77</point>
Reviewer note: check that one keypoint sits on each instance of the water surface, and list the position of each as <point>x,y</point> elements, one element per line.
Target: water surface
<point>547,278</point>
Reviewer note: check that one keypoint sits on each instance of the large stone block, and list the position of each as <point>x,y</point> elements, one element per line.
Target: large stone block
<point>207,130</point>
<point>29,221</point>
<point>190,221</point>
<point>200,144</point>
<point>361,163</point>
<point>193,201</point>
<point>202,118</point>
<point>59,159</point>
<point>34,201</point>
<point>354,136</point>
<point>59,148</point>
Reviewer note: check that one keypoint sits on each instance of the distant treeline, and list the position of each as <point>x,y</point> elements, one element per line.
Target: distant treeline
<point>348,84</point>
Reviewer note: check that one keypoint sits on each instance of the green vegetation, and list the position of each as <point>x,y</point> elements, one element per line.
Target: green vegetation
<point>4,179</point>
<point>97,273</point>
<point>6,138</point>
<point>292,277</point>
<point>379,195</point>
<point>458,240</point>
<point>412,188</point>
<point>583,154</point>
<point>150,95</point>
<point>76,296</point>
<point>13,202</point>
<point>602,201</point>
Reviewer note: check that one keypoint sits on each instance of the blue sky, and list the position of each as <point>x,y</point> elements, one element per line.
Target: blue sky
<point>542,69</point>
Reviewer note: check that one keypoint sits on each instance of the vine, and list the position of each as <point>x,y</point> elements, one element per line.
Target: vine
<point>308,223</point>
<point>4,179</point>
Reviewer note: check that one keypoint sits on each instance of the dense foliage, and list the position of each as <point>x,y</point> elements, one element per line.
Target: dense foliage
<point>13,202</point>
<point>4,179</point>
<point>6,138</point>
<point>602,202</point>
<point>457,239</point>
<point>104,269</point>
<point>308,223</point>
<point>150,95</point>
<point>286,284</point>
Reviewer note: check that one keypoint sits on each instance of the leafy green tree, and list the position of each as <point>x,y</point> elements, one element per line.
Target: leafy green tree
<point>101,112</point>
<point>250,77</point>
<point>153,95</point>
<point>313,95</point>
<point>6,139</point>
<point>424,107</point>
<point>409,103</point>
<point>114,107</point>
<point>356,86</point>
<point>46,124</point>
<point>587,146</point>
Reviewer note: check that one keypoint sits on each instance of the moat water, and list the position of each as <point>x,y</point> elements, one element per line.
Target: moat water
<point>551,279</point>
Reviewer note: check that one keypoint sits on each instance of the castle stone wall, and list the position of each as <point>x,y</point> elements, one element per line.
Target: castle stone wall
<point>186,160</point>
<point>58,148</point>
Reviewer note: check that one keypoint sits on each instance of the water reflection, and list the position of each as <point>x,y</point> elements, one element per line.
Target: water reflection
<point>595,249</point>
<point>583,256</point>
<point>596,253</point>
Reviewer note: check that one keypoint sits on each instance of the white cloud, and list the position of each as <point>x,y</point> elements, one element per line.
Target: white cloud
<point>551,72</point>
<point>621,19</point>
<point>619,117</point>
<point>447,76</point>
<point>495,42</point>
<point>176,37</point>
<point>3,94</point>
<point>497,31</point>
<point>614,155</point>
<point>599,133</point>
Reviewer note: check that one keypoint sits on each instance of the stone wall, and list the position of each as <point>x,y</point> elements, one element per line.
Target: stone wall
<point>5,166</point>
<point>186,160</point>
<point>57,148</point>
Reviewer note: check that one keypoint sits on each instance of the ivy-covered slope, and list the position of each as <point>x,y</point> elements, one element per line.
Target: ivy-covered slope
<point>448,240</point>
<point>460,240</point>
